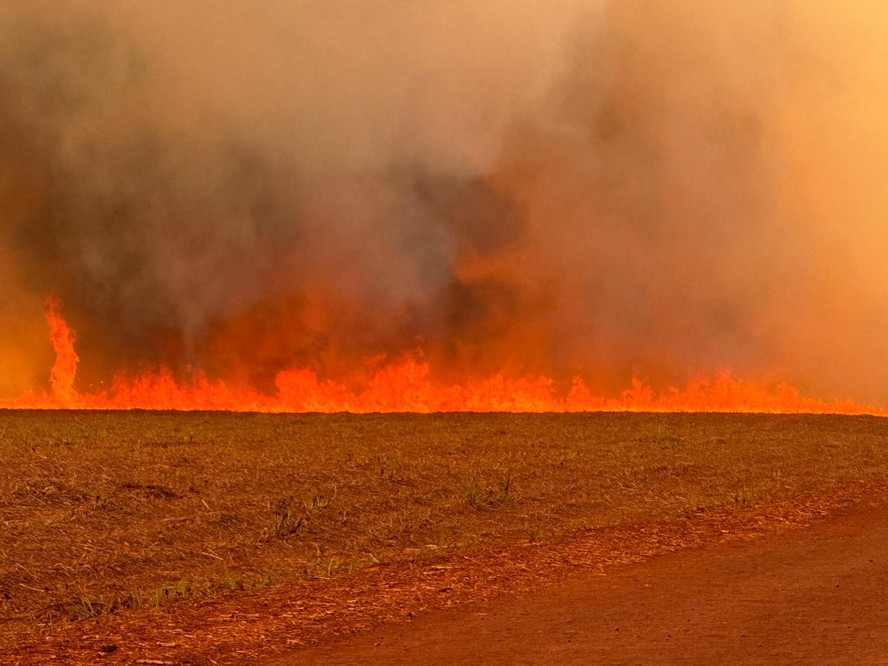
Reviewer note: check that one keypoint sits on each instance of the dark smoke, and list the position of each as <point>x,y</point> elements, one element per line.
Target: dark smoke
<point>603,188</point>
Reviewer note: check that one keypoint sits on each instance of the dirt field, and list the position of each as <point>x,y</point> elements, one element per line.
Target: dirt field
<point>222,538</point>
<point>805,596</point>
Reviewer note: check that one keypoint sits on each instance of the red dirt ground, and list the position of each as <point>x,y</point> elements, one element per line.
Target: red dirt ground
<point>815,595</point>
<point>780,583</point>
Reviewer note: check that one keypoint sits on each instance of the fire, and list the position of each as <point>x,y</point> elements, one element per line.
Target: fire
<point>404,385</point>
<point>63,371</point>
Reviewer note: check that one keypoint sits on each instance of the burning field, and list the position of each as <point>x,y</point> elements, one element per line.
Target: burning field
<point>403,386</point>
<point>317,292</point>
<point>343,206</point>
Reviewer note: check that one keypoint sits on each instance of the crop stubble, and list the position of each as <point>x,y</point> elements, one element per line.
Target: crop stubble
<point>113,513</point>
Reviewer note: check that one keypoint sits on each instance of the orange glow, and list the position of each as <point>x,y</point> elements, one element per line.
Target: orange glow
<point>65,367</point>
<point>406,385</point>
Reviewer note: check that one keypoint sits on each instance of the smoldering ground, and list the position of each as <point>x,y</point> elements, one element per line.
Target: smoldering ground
<point>602,188</point>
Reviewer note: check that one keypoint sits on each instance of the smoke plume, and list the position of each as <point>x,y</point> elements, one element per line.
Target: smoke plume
<point>603,189</point>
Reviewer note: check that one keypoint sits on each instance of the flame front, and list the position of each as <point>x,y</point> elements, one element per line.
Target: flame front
<point>405,385</point>
<point>535,206</point>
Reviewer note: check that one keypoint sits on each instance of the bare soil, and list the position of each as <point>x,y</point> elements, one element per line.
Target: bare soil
<point>810,596</point>
<point>230,538</point>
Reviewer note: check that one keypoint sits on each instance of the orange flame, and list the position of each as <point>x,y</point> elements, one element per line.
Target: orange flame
<point>405,386</point>
<point>61,376</point>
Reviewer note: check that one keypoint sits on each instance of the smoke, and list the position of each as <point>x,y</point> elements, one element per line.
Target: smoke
<point>603,188</point>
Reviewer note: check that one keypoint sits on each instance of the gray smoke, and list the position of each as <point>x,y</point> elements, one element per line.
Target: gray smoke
<point>603,188</point>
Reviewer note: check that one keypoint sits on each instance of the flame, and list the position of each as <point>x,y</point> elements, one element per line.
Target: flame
<point>404,385</point>
<point>61,376</point>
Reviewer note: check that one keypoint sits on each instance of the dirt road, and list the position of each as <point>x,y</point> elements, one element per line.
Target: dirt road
<point>810,596</point>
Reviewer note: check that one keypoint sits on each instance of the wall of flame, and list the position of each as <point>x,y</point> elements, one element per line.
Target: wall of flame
<point>304,198</point>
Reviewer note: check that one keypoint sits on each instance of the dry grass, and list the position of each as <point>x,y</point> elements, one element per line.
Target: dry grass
<point>102,512</point>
